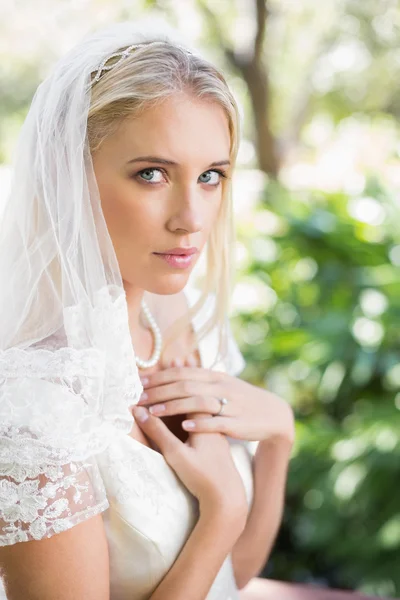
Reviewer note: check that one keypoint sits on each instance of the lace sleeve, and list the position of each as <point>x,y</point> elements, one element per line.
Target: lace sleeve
<point>42,500</point>
<point>55,417</point>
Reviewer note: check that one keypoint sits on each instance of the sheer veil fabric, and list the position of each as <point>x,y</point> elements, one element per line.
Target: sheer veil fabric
<point>67,366</point>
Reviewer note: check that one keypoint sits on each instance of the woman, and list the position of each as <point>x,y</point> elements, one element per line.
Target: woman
<point>122,180</point>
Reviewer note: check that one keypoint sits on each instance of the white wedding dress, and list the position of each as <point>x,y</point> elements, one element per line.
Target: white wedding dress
<point>150,513</point>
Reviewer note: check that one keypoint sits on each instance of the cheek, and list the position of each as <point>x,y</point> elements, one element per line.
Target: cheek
<point>212,215</point>
<point>128,216</point>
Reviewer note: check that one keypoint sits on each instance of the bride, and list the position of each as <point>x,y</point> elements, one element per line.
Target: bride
<point>126,469</point>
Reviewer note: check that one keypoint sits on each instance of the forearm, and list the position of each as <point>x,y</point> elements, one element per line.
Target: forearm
<point>200,560</point>
<point>251,550</point>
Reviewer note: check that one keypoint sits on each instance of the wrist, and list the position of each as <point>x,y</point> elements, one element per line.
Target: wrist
<point>285,433</point>
<point>224,518</point>
<point>276,444</point>
<point>273,450</point>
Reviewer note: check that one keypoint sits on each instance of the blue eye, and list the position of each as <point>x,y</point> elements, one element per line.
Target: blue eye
<point>220,173</point>
<point>147,174</point>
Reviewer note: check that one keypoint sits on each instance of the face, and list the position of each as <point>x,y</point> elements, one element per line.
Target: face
<point>161,177</point>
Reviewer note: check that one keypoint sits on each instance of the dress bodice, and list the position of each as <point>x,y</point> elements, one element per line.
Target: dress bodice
<point>151,513</point>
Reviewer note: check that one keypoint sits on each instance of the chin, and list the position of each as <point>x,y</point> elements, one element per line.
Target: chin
<point>168,284</point>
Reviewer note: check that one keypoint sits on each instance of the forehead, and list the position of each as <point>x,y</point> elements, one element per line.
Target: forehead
<point>180,128</point>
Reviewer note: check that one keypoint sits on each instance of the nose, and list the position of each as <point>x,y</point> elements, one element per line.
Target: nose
<point>187,212</point>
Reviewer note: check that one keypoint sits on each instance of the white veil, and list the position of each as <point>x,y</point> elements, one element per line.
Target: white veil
<point>67,367</point>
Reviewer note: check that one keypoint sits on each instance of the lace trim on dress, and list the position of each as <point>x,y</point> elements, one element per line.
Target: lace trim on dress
<point>38,502</point>
<point>64,362</point>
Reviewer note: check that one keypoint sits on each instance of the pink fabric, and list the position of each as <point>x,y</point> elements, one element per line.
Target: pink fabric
<point>266,589</point>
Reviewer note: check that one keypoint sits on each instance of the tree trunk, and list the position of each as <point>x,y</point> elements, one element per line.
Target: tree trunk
<point>255,75</point>
<point>253,69</point>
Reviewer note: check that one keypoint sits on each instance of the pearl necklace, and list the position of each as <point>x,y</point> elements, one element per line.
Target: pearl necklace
<point>154,328</point>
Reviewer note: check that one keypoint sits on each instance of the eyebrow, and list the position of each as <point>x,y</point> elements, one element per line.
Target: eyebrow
<point>164,161</point>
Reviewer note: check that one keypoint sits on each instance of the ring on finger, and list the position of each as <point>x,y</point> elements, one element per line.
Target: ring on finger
<point>223,402</point>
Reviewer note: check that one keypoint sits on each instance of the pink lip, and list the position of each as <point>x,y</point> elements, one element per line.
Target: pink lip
<point>177,261</point>
<point>179,251</point>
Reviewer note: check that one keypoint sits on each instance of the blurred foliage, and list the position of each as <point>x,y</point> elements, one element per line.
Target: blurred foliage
<point>341,60</point>
<point>325,336</point>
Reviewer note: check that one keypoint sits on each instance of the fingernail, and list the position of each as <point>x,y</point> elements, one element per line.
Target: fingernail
<point>144,380</point>
<point>178,362</point>
<point>188,424</point>
<point>144,396</point>
<point>157,408</point>
<point>141,413</point>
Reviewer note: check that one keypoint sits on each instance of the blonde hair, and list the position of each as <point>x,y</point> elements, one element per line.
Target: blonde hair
<point>148,75</point>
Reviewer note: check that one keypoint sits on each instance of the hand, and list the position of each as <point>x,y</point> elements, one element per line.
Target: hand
<point>204,464</point>
<point>251,413</point>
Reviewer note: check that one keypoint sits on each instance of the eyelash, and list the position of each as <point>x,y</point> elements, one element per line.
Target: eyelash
<point>220,172</point>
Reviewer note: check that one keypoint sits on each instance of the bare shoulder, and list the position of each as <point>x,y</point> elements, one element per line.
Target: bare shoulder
<point>72,564</point>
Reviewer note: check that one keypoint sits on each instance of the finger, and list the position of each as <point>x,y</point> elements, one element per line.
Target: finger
<point>209,425</point>
<point>201,440</point>
<point>180,406</point>
<point>181,374</point>
<point>191,361</point>
<point>171,363</point>
<point>171,391</point>
<point>157,431</point>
